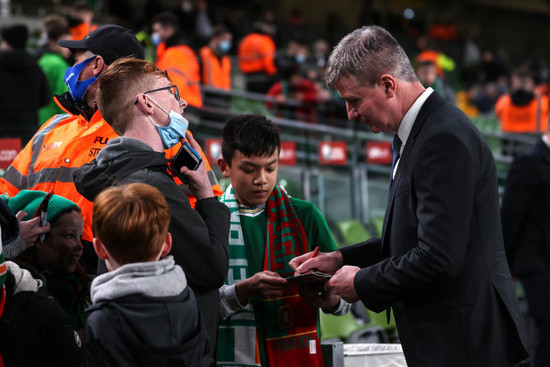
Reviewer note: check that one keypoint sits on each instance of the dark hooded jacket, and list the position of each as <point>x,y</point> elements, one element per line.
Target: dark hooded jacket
<point>144,315</point>
<point>199,236</point>
<point>34,329</point>
<point>24,89</point>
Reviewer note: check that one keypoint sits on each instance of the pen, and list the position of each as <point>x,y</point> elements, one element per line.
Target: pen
<point>315,252</point>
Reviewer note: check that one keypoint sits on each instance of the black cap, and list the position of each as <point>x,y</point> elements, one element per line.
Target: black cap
<point>108,41</point>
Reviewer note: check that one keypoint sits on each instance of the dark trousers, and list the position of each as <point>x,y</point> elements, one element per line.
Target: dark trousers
<point>537,291</point>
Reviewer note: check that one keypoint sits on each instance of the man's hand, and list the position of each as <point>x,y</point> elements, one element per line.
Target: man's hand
<point>30,230</point>
<point>199,184</point>
<point>265,284</point>
<point>341,283</point>
<point>328,262</point>
<point>319,298</point>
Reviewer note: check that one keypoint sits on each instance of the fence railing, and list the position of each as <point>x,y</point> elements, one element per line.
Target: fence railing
<point>353,189</point>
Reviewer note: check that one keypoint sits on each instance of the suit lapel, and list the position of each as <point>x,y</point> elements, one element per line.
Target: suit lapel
<point>433,101</point>
<point>544,149</point>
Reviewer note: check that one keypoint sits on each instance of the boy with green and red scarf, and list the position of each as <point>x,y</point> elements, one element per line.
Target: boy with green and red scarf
<point>266,321</point>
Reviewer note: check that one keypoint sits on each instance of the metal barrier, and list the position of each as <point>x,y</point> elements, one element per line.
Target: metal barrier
<point>355,189</point>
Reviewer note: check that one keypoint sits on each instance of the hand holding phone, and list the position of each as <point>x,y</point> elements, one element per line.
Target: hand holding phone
<point>42,212</point>
<point>186,156</point>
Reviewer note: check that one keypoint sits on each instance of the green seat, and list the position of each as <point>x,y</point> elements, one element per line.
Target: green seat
<point>378,224</point>
<point>352,232</point>
<point>337,327</point>
<point>244,105</point>
<point>381,319</point>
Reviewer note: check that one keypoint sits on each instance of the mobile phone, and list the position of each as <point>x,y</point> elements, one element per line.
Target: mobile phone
<point>42,212</point>
<point>186,156</point>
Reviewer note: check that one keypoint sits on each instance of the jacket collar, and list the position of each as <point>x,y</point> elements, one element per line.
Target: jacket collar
<point>67,103</point>
<point>543,149</point>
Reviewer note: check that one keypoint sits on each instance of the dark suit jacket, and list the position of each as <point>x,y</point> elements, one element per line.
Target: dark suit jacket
<point>526,212</point>
<point>443,269</point>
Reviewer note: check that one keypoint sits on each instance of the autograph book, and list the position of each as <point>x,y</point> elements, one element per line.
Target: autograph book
<point>315,277</point>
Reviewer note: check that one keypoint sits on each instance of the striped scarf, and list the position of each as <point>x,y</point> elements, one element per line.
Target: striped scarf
<point>288,325</point>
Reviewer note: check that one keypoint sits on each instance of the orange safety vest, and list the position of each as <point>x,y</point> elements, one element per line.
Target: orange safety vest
<point>81,30</point>
<point>216,72</point>
<point>257,54</point>
<point>63,144</point>
<point>531,118</point>
<point>183,69</point>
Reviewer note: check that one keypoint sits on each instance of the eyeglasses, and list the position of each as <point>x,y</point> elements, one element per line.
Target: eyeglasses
<point>173,89</point>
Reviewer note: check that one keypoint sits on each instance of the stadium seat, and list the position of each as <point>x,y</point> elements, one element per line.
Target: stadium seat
<point>338,327</point>
<point>377,223</point>
<point>352,232</point>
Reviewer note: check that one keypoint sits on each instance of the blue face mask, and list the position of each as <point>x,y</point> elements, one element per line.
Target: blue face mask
<point>300,58</point>
<point>175,131</point>
<point>78,88</point>
<point>155,38</point>
<point>225,46</point>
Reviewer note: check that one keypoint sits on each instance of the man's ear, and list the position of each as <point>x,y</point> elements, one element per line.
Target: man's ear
<point>167,245</point>
<point>388,82</point>
<point>98,65</point>
<point>224,167</point>
<point>100,249</point>
<point>143,103</point>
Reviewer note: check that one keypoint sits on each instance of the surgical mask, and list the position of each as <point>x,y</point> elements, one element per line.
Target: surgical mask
<point>175,131</point>
<point>300,58</point>
<point>186,6</point>
<point>225,46</point>
<point>155,38</point>
<point>76,87</point>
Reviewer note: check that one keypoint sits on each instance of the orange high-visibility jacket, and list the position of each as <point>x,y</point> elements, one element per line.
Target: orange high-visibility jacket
<point>183,69</point>
<point>81,30</point>
<point>257,54</point>
<point>64,143</point>
<point>216,72</point>
<point>531,118</point>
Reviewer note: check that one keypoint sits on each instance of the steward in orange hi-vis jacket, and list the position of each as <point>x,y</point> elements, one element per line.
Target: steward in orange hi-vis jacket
<point>215,64</point>
<point>181,63</point>
<point>67,141</point>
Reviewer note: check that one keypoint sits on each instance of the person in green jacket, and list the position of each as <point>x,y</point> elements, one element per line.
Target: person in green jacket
<point>54,63</point>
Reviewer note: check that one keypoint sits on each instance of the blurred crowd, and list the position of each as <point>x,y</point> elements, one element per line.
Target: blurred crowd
<point>282,59</point>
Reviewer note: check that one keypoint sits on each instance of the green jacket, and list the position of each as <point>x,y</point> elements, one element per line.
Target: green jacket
<point>53,66</point>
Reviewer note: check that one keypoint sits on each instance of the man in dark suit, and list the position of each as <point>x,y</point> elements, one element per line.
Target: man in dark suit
<point>440,264</point>
<point>526,227</point>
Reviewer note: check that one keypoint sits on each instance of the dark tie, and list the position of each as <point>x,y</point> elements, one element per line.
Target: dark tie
<point>395,150</point>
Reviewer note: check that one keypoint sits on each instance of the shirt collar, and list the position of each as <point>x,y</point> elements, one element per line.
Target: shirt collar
<point>410,117</point>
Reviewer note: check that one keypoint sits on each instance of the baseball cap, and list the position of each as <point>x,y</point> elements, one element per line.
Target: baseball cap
<point>108,41</point>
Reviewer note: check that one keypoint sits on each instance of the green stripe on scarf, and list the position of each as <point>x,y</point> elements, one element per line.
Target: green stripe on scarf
<point>237,334</point>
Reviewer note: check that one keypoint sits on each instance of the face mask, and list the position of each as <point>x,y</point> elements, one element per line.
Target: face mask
<point>186,6</point>
<point>225,46</point>
<point>175,131</point>
<point>155,38</point>
<point>300,58</point>
<point>78,88</point>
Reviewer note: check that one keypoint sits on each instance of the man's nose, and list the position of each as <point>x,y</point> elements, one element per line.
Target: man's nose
<point>352,112</point>
<point>261,178</point>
